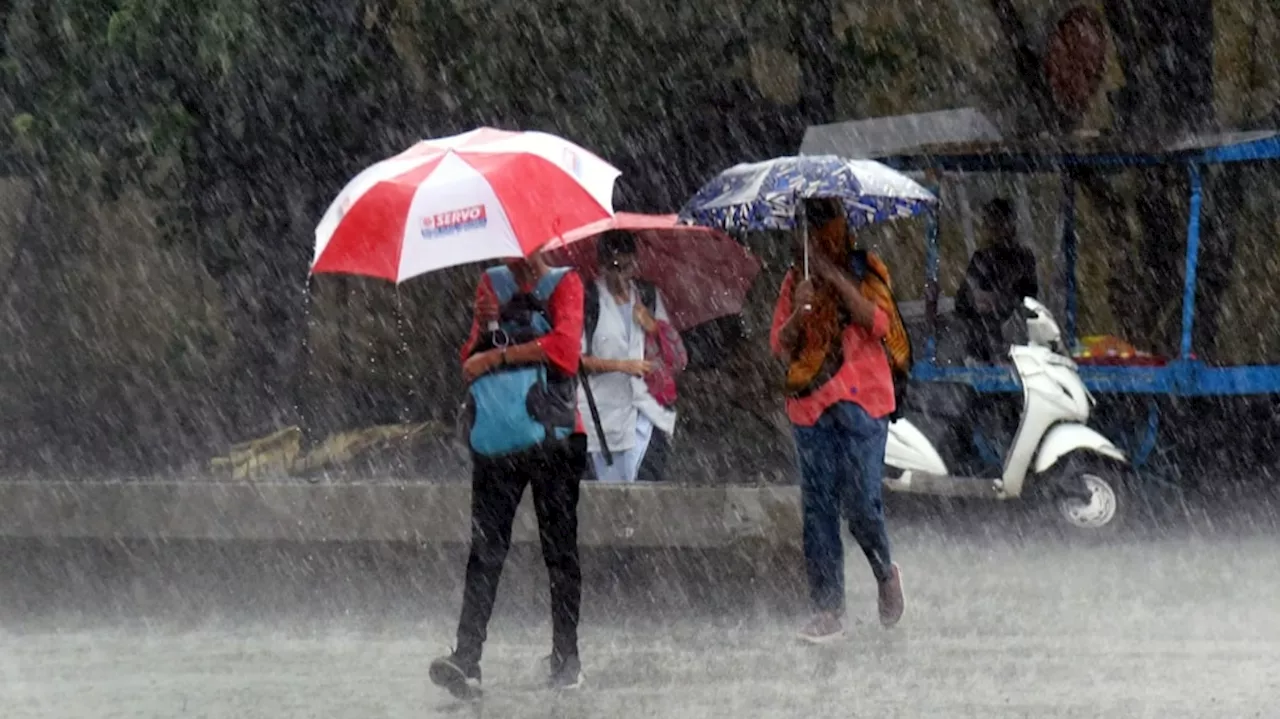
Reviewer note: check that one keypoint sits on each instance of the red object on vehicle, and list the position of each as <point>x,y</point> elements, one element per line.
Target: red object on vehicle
<point>1112,351</point>
<point>1134,361</point>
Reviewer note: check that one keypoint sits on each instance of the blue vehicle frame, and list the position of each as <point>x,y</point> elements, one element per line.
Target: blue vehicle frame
<point>1184,375</point>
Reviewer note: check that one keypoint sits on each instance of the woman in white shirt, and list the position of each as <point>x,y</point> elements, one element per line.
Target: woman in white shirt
<point>613,354</point>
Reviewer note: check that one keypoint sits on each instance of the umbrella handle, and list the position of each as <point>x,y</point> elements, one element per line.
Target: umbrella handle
<point>499,337</point>
<point>803,221</point>
<point>805,236</point>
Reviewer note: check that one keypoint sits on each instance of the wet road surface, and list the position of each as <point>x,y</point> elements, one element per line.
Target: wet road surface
<point>998,624</point>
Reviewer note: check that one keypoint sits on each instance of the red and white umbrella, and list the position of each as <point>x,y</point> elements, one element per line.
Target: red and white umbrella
<point>482,195</point>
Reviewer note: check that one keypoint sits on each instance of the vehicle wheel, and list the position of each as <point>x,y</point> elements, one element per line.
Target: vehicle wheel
<point>1088,497</point>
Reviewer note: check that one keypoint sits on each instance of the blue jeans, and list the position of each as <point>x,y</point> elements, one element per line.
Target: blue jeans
<point>841,469</point>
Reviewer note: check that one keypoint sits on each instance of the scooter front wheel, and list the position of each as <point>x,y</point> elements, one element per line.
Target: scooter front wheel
<point>1088,496</point>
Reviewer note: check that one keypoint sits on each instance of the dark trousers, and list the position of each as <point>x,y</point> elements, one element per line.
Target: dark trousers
<point>496,488</point>
<point>984,339</point>
<point>841,471</point>
<point>654,465</point>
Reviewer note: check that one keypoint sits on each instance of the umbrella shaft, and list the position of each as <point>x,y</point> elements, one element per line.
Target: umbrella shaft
<point>804,234</point>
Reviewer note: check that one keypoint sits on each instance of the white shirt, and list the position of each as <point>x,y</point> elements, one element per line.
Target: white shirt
<point>619,396</point>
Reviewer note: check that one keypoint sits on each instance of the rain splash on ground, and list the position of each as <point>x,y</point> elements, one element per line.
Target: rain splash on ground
<point>1000,623</point>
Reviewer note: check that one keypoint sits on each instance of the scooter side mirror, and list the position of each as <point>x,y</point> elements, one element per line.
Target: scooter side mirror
<point>1041,328</point>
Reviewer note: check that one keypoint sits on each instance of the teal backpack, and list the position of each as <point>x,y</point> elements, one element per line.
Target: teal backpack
<point>517,408</point>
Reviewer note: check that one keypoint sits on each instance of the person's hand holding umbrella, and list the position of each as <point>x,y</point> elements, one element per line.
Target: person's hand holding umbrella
<point>803,298</point>
<point>862,309</point>
<point>487,311</point>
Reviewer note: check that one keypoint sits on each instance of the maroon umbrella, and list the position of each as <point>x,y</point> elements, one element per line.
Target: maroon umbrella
<point>703,273</point>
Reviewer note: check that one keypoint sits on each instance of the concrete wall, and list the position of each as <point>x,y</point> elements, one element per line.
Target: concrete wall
<point>425,513</point>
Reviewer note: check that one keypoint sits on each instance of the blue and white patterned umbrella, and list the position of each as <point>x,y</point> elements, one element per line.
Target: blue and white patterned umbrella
<point>764,195</point>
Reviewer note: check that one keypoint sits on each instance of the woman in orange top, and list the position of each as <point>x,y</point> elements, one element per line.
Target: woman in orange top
<point>839,397</point>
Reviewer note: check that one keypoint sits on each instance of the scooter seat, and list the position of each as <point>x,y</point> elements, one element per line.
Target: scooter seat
<point>941,400</point>
<point>948,415</point>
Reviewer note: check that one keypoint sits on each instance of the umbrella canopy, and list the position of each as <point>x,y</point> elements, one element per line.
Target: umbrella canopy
<point>758,196</point>
<point>481,195</point>
<point>703,273</point>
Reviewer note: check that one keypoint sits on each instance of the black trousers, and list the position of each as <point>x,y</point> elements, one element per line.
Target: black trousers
<point>654,465</point>
<point>984,340</point>
<point>496,488</point>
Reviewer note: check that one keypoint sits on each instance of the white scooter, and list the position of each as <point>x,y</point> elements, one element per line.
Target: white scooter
<point>1080,469</point>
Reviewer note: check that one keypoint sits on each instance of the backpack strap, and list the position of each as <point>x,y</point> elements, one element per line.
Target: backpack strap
<point>549,282</point>
<point>505,287</point>
<point>897,343</point>
<point>590,313</point>
<point>861,265</point>
<point>503,283</point>
<point>591,306</point>
<point>648,295</point>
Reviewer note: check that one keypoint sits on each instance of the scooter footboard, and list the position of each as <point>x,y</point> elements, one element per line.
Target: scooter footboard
<point>1069,437</point>
<point>907,449</point>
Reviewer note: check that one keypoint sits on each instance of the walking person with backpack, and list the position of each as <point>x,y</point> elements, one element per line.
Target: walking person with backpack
<point>632,355</point>
<point>837,332</point>
<point>521,363</point>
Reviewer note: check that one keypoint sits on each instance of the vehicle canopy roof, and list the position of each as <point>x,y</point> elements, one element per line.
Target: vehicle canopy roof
<point>1098,151</point>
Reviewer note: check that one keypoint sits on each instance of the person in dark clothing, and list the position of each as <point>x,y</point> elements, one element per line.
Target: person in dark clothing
<point>525,382</point>
<point>999,276</point>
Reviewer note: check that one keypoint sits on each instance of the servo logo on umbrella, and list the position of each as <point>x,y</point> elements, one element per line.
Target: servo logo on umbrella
<point>452,222</point>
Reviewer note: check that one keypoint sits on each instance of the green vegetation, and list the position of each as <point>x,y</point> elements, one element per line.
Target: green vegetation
<point>164,163</point>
